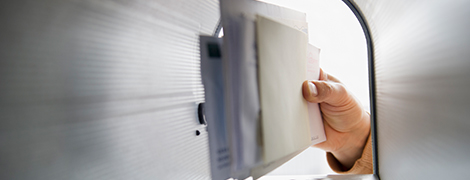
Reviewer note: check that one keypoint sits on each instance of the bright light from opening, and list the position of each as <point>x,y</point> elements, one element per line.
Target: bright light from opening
<point>336,31</point>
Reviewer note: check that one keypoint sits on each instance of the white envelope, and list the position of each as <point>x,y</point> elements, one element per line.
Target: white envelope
<point>282,54</point>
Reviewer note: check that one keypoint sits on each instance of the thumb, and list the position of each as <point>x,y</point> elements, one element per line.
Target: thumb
<point>329,92</point>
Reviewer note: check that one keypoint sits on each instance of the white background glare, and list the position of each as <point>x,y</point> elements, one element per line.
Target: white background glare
<point>336,31</point>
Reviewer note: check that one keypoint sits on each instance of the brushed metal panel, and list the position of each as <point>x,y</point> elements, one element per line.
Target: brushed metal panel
<point>102,89</point>
<point>422,72</point>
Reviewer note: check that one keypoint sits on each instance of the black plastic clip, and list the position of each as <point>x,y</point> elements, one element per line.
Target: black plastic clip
<point>200,114</point>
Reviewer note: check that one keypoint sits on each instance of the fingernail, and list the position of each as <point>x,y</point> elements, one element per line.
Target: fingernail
<point>313,89</point>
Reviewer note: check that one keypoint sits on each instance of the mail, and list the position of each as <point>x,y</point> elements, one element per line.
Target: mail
<point>265,53</point>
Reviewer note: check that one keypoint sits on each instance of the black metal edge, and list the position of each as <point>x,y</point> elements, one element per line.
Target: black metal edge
<point>372,89</point>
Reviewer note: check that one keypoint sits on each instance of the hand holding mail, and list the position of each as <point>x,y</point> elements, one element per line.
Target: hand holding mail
<point>347,124</point>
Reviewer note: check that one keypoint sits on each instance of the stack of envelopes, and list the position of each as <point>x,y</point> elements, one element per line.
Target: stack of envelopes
<point>257,117</point>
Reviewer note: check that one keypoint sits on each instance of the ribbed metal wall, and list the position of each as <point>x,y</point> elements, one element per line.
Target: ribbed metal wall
<point>422,70</point>
<point>102,89</point>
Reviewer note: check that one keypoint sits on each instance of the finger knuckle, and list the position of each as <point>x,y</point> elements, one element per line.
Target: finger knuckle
<point>341,88</point>
<point>327,88</point>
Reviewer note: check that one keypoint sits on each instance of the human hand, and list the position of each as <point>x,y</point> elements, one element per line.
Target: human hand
<point>347,124</point>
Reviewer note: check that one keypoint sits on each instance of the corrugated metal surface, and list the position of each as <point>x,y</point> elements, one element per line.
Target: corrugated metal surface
<point>422,69</point>
<point>102,89</point>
